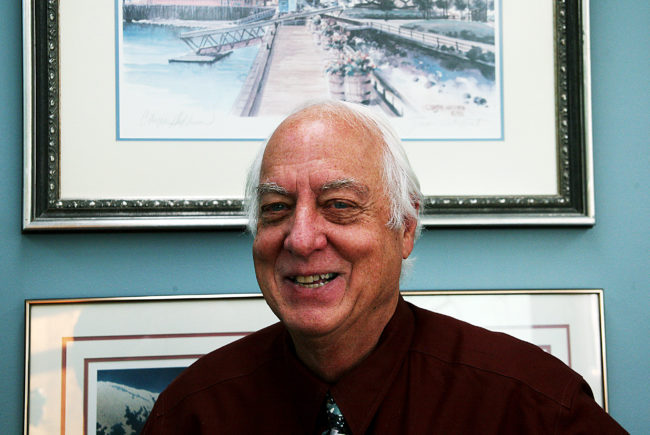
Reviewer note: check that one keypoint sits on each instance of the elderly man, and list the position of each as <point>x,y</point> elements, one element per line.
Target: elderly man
<point>334,209</point>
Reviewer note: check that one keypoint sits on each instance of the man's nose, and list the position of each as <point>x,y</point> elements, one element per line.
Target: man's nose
<point>306,233</point>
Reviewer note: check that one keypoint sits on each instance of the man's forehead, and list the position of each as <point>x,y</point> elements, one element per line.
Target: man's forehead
<point>312,132</point>
<point>316,153</point>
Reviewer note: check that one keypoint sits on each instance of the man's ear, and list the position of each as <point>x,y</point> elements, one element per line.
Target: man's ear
<point>408,233</point>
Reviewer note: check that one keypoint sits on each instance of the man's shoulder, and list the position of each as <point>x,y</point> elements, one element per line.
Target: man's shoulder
<point>494,355</point>
<point>232,361</point>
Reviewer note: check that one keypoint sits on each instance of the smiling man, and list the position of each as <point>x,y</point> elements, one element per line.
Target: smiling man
<point>333,204</point>
<point>326,260</point>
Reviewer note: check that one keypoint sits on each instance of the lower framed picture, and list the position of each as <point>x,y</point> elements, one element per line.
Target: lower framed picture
<point>98,365</point>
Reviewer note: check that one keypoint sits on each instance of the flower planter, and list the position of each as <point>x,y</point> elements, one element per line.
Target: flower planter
<point>358,88</point>
<point>325,42</point>
<point>336,84</point>
<point>332,54</point>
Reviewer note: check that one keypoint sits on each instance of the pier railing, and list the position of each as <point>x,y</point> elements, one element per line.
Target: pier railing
<point>427,38</point>
<point>263,15</point>
<point>389,95</point>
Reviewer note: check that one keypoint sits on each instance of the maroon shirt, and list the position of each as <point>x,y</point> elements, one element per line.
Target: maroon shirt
<point>430,374</point>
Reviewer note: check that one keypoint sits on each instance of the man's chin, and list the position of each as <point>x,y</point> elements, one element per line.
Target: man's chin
<point>312,323</point>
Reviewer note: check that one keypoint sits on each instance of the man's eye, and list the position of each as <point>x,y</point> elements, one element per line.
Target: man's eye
<point>341,211</point>
<point>275,207</point>
<point>338,204</point>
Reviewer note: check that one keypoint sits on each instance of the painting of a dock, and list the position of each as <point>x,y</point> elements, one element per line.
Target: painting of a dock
<point>231,69</point>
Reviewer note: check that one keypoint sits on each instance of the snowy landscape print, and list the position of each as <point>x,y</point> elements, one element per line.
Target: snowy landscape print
<point>125,397</point>
<point>231,69</point>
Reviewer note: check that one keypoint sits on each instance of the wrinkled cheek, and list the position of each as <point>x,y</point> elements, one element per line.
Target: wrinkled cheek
<point>370,249</point>
<point>257,252</point>
<point>264,247</point>
<point>265,254</point>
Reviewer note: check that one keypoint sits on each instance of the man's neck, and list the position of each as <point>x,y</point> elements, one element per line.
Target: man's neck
<point>331,356</point>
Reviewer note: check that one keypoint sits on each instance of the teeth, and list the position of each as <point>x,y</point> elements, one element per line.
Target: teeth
<point>308,280</point>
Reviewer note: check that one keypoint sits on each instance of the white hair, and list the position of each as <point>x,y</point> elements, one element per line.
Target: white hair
<point>400,182</point>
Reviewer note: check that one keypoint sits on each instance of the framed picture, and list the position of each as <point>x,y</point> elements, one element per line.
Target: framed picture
<point>147,114</point>
<point>93,364</point>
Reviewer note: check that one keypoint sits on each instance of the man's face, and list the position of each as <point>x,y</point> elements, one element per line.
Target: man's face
<point>324,258</point>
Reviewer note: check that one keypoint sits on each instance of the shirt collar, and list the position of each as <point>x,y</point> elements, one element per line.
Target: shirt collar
<point>359,392</point>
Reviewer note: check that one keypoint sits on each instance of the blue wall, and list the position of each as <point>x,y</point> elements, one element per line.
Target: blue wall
<point>613,255</point>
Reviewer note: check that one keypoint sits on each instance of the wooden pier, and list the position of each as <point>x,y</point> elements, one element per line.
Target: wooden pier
<point>296,63</point>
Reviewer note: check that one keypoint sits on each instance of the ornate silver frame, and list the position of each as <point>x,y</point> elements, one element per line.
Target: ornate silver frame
<point>44,209</point>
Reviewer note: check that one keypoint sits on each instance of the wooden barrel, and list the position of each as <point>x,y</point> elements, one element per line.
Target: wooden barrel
<point>336,84</point>
<point>358,88</point>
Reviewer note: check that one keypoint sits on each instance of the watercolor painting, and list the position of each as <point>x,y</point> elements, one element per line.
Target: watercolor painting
<point>230,69</point>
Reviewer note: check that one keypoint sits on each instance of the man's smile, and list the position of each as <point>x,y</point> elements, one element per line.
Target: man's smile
<point>313,281</point>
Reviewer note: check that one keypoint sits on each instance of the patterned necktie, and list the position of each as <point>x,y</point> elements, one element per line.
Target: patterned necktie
<point>335,422</point>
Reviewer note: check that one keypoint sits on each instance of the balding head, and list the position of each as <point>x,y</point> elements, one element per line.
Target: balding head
<point>400,182</point>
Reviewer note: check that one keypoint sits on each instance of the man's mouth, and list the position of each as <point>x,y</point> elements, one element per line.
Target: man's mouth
<point>313,281</point>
